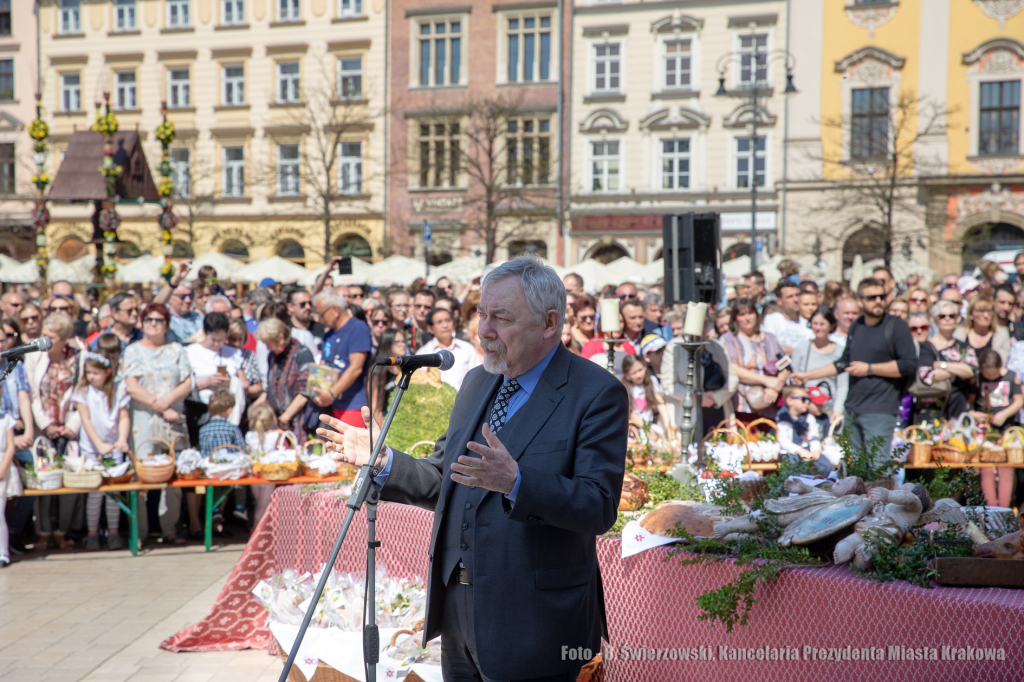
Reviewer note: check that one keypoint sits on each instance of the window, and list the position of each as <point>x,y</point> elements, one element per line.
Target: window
<point>677,63</point>
<point>287,169</point>
<point>606,67</point>
<point>529,48</point>
<point>178,13</point>
<point>124,90</point>
<point>181,170</point>
<point>234,85</point>
<point>439,154</point>
<point>754,50</point>
<point>6,79</point>
<point>7,184</point>
<point>350,168</point>
<point>440,52</point>
<point>70,17</point>
<point>675,164</point>
<point>232,13</point>
<point>70,92</point>
<point>288,82</point>
<point>869,124</point>
<point>5,17</point>
<point>604,171</point>
<point>528,146</point>
<point>124,15</point>
<point>999,118</point>
<point>350,8</point>
<point>234,171</point>
<point>350,78</point>
<point>287,10</point>
<point>743,155</point>
<point>178,89</point>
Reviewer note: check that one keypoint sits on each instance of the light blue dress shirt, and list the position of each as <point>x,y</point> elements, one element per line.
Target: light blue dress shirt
<point>527,385</point>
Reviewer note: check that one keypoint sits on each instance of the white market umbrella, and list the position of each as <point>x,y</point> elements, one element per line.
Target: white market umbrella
<point>225,265</point>
<point>360,271</point>
<point>856,273</point>
<point>275,267</point>
<point>396,270</point>
<point>735,269</point>
<point>15,272</point>
<point>595,274</point>
<point>78,271</point>
<point>463,269</point>
<point>141,270</point>
<point>651,273</point>
<point>625,268</point>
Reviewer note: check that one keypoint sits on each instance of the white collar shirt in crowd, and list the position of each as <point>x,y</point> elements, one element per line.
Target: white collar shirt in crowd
<point>204,363</point>
<point>103,417</point>
<point>465,359</point>
<point>838,339</point>
<point>790,333</point>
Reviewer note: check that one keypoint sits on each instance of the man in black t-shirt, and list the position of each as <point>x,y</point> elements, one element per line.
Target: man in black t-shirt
<point>879,357</point>
<point>1002,302</point>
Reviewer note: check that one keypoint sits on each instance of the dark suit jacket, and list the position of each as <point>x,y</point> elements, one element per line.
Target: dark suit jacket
<point>536,586</point>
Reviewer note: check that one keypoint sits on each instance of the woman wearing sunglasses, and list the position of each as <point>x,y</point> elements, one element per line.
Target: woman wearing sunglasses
<point>981,332</point>
<point>31,318</point>
<point>585,308</point>
<point>811,355</point>
<point>942,357</point>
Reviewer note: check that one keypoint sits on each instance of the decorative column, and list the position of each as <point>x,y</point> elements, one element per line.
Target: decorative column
<point>167,220</point>
<point>40,131</point>
<point>109,220</point>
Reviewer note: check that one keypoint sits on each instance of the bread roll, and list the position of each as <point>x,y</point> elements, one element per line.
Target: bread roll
<point>697,518</point>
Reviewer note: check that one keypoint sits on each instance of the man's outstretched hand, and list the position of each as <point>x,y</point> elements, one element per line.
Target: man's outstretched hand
<point>494,469</point>
<point>347,443</point>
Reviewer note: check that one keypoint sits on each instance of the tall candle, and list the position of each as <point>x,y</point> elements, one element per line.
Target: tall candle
<point>610,315</point>
<point>696,313</point>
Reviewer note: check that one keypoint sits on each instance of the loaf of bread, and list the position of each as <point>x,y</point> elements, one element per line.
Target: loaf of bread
<point>696,518</point>
<point>634,493</point>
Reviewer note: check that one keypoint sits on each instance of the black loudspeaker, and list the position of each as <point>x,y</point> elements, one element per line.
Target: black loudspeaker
<point>692,251</point>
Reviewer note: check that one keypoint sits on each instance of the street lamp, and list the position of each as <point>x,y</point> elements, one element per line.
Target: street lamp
<point>758,59</point>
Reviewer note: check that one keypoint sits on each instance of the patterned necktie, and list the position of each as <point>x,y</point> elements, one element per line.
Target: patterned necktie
<point>499,413</point>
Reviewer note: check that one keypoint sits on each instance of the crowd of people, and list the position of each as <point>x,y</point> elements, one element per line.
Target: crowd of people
<point>129,373</point>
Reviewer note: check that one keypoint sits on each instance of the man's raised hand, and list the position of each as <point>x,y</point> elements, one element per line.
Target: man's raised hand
<point>348,444</point>
<point>494,469</point>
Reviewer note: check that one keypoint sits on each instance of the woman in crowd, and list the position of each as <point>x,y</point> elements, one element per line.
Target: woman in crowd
<point>31,318</point>
<point>380,319</point>
<point>400,304</point>
<point>811,355</point>
<point>238,337</point>
<point>918,300</point>
<point>752,356</point>
<point>288,369</point>
<point>944,357</point>
<point>382,382</point>
<point>831,293</point>
<point>722,318</point>
<point>157,377</point>
<point>980,331</point>
<point>585,309</point>
<point>52,377</point>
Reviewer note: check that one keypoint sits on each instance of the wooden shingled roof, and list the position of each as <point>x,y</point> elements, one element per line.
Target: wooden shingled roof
<point>79,177</point>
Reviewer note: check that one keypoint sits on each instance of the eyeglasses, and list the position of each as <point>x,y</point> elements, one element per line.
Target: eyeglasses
<point>919,300</point>
<point>919,329</point>
<point>422,307</point>
<point>154,320</point>
<point>585,318</point>
<point>801,398</point>
<point>625,297</point>
<point>185,297</point>
<point>59,308</point>
<point>304,304</point>
<point>982,312</point>
<point>947,316</point>
<point>401,306</point>
<point>129,311</point>
<point>874,297</point>
<point>29,318</point>
<point>379,323</point>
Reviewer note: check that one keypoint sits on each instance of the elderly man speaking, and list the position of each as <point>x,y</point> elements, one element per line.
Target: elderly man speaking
<point>527,475</point>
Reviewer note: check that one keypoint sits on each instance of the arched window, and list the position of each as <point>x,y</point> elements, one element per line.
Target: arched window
<point>71,249</point>
<point>289,249</point>
<point>989,237</point>
<point>355,246</point>
<point>534,246</point>
<point>607,253</point>
<point>235,249</point>
<point>735,251</point>
<point>128,250</point>
<point>867,242</point>
<point>182,250</point>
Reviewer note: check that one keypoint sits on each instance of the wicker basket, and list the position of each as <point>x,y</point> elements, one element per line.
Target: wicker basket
<point>154,473</point>
<point>737,431</point>
<point>1015,454</point>
<point>947,455</point>
<point>123,478</point>
<point>82,479</point>
<point>702,447</point>
<point>752,435</point>
<point>196,475</point>
<point>992,455</point>
<point>280,471</point>
<point>308,470</point>
<point>920,453</point>
<point>42,480</point>
<point>224,471</point>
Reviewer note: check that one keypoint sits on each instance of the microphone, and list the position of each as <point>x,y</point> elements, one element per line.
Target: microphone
<point>442,358</point>
<point>40,344</point>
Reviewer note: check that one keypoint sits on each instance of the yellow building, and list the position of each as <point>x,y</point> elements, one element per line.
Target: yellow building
<point>912,107</point>
<point>270,99</point>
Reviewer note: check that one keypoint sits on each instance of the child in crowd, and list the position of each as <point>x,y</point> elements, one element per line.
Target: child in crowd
<point>646,399</point>
<point>798,434</point>
<point>7,474</point>
<point>102,403</point>
<point>997,399</point>
<point>261,420</point>
<point>219,431</point>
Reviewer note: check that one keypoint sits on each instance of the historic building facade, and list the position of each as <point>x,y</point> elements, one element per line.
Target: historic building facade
<point>933,84</point>
<point>271,100</point>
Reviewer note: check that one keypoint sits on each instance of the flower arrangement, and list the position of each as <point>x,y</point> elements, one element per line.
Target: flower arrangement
<point>165,132</point>
<point>111,171</point>
<point>106,124</point>
<point>167,271</point>
<point>168,221</point>
<point>166,187</point>
<point>108,270</point>
<point>39,130</point>
<point>41,180</point>
<point>40,147</point>
<point>109,222</point>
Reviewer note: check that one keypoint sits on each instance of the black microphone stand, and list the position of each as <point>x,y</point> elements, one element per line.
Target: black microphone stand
<point>363,490</point>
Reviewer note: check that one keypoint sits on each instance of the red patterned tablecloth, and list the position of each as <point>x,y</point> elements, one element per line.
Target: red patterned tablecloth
<point>650,600</point>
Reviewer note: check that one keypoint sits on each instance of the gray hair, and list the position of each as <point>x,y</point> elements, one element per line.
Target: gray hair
<point>60,323</point>
<point>331,298</point>
<point>258,296</point>
<point>918,313</point>
<point>541,284</point>
<point>104,311</point>
<point>272,329</point>
<point>941,304</point>
<point>184,284</point>
<point>653,299</point>
<point>217,298</point>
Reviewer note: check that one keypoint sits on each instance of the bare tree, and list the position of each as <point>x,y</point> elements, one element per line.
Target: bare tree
<point>194,193</point>
<point>881,157</point>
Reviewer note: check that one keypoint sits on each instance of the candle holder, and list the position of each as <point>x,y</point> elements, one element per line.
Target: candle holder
<point>610,352</point>
<point>686,426</point>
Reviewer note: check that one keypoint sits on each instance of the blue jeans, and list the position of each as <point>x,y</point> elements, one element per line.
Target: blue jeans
<point>864,427</point>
